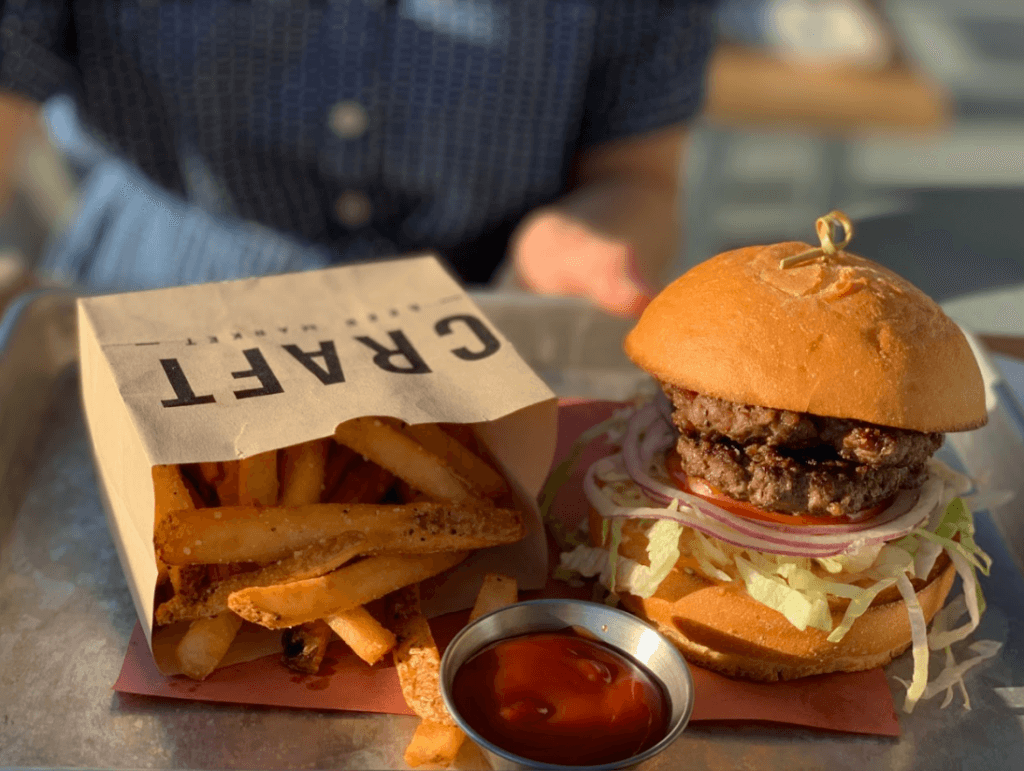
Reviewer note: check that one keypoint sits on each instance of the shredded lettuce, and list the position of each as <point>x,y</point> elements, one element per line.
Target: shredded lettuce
<point>801,609</point>
<point>892,561</point>
<point>561,473</point>
<point>712,550</point>
<point>763,562</point>
<point>854,561</point>
<point>953,672</point>
<point>587,561</point>
<point>803,580</point>
<point>924,560</point>
<point>662,553</point>
<point>955,533</point>
<point>948,615</point>
<point>832,564</point>
<point>950,664</point>
<point>858,606</point>
<point>710,570</point>
<point>621,574</point>
<point>973,600</point>
<point>919,642</point>
<point>797,588</point>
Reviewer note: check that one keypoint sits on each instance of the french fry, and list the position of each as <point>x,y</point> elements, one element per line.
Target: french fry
<point>433,743</point>
<point>463,433</point>
<point>257,479</point>
<point>416,656</point>
<point>365,482</point>
<point>207,600</point>
<point>227,485</point>
<point>304,646</point>
<point>203,493</point>
<point>271,539</point>
<point>418,662</point>
<point>284,605</point>
<point>389,447</point>
<point>211,472</point>
<point>364,634</point>
<point>302,472</point>
<point>169,494</point>
<point>408,494</point>
<point>460,458</point>
<point>496,591</point>
<point>205,643</point>
<point>254,534</point>
<point>339,460</point>
<point>205,477</point>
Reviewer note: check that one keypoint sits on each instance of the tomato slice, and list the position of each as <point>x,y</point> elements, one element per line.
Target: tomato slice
<point>698,487</point>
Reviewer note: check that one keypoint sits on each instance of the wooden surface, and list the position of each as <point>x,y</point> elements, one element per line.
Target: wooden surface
<point>749,87</point>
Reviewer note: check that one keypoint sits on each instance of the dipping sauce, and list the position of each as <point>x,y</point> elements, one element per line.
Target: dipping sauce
<point>561,698</point>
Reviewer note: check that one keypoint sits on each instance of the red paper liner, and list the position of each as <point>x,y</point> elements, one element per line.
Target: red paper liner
<point>858,703</point>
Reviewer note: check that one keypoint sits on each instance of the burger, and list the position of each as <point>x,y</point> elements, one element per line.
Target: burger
<point>776,510</point>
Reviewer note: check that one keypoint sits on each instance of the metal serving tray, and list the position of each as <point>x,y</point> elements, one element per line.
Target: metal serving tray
<point>66,614</point>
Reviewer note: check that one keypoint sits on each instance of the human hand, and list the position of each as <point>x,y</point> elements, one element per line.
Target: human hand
<point>553,253</point>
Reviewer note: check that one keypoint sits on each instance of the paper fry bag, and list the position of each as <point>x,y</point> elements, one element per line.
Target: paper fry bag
<point>224,371</point>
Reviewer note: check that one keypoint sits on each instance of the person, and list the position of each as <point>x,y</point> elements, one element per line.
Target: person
<point>223,139</point>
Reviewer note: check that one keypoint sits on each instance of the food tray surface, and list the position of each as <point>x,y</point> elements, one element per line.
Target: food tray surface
<point>66,614</point>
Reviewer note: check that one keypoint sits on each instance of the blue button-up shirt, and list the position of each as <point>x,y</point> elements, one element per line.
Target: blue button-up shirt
<point>217,156</point>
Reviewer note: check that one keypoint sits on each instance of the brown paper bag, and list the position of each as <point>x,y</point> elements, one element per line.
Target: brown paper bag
<point>223,371</point>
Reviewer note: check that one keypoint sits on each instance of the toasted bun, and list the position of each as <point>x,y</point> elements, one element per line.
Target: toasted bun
<point>720,627</point>
<point>838,336</point>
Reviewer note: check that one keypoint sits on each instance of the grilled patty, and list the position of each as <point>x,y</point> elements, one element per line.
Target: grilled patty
<point>796,462</point>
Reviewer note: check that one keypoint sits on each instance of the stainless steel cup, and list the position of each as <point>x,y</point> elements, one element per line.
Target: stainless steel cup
<point>618,629</point>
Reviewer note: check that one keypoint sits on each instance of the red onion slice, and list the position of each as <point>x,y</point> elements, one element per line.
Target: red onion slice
<point>691,517</point>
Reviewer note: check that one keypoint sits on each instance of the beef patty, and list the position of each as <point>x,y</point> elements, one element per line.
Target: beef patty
<point>796,462</point>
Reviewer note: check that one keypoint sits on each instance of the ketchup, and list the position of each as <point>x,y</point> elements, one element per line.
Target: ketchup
<point>561,698</point>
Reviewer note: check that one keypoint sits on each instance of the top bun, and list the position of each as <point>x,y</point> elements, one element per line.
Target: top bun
<point>836,335</point>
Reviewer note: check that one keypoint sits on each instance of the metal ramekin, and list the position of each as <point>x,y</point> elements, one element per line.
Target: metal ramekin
<point>620,630</point>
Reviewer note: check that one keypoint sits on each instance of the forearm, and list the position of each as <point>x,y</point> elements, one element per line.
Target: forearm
<point>645,216</point>
<point>613,235</point>
<point>128,233</point>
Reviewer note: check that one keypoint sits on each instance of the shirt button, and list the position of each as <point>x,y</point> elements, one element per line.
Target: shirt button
<point>353,208</point>
<point>348,120</point>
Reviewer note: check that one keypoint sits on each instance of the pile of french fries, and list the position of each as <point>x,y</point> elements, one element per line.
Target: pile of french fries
<point>332,538</point>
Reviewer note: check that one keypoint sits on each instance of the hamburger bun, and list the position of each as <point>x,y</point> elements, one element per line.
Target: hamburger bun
<point>803,386</point>
<point>837,336</point>
<point>719,626</point>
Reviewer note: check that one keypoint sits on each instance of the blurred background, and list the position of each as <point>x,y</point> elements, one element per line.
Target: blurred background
<point>906,114</point>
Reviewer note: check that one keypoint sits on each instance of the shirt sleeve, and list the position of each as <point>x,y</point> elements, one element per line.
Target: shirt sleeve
<point>129,233</point>
<point>649,67</point>
<point>34,54</point>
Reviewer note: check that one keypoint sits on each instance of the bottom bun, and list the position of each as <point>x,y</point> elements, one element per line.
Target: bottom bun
<point>719,626</point>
